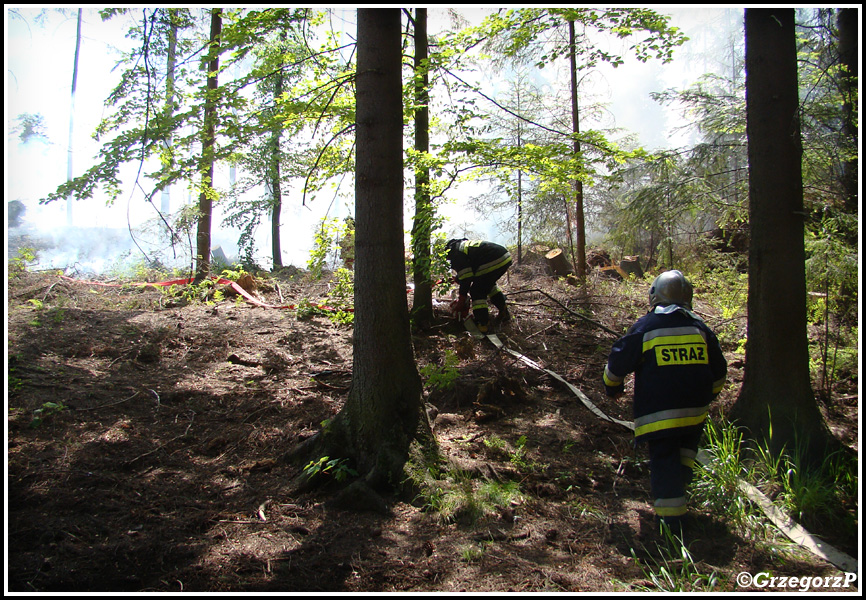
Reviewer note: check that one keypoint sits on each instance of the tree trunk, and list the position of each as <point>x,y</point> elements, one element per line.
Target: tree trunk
<point>165,199</point>
<point>519,184</point>
<point>519,209</point>
<point>776,402</point>
<point>848,53</point>
<point>277,200</point>
<point>205,201</point>
<point>422,306</point>
<point>72,116</point>
<point>383,413</point>
<point>276,209</point>
<point>579,220</point>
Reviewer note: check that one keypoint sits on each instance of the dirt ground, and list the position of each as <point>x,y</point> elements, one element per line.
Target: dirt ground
<point>146,438</point>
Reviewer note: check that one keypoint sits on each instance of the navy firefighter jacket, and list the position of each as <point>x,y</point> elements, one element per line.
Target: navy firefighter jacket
<point>474,258</point>
<point>679,368</point>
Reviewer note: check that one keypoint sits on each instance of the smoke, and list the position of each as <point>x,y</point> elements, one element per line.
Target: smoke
<point>103,245</point>
<point>74,250</point>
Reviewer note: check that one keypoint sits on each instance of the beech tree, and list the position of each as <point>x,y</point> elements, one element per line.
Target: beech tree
<point>205,203</point>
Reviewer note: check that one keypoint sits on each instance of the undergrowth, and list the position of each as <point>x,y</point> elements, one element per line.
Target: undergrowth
<point>813,496</point>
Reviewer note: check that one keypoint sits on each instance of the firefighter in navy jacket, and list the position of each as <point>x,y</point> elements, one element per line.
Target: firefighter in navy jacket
<point>679,368</point>
<point>479,265</point>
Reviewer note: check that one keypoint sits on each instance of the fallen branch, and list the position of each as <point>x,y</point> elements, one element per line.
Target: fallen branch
<point>541,331</point>
<point>109,404</point>
<point>564,307</point>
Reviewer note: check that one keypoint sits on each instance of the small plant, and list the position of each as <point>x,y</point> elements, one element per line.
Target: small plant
<point>234,274</point>
<point>341,297</point>
<point>18,265</point>
<point>460,498</point>
<point>518,457</point>
<point>325,245</point>
<point>306,309</point>
<point>813,495</point>
<point>673,573</point>
<point>15,383</point>
<point>494,442</point>
<point>587,511</point>
<point>516,454</point>
<point>343,291</point>
<point>342,317</point>
<point>440,267</point>
<point>500,495</point>
<point>716,485</point>
<point>191,293</point>
<point>471,552</point>
<point>442,377</point>
<point>727,291</point>
<point>336,467</point>
<point>45,413</point>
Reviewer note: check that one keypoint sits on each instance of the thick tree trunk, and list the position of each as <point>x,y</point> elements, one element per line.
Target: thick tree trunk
<point>776,402</point>
<point>205,201</point>
<point>383,414</point>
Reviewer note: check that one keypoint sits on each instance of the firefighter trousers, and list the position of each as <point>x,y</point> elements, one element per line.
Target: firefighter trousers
<point>484,288</point>
<point>672,461</point>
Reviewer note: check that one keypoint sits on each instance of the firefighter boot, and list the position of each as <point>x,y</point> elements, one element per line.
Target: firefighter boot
<point>498,300</point>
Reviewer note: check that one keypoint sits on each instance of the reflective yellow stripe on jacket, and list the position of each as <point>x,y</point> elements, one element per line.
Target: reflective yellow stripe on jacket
<point>610,379</point>
<point>493,265</point>
<point>666,419</point>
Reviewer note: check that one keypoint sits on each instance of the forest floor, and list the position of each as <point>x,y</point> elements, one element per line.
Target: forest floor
<point>146,439</point>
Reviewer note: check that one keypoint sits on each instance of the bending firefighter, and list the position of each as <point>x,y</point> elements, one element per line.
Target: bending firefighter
<point>479,265</point>
<point>679,369</point>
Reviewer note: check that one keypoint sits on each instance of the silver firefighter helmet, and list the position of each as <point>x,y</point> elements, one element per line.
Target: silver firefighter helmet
<point>671,287</point>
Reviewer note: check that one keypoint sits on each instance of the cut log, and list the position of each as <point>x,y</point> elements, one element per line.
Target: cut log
<point>558,263</point>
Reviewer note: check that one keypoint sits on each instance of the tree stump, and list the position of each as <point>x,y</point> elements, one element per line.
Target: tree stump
<point>631,266</point>
<point>534,254</point>
<point>558,263</point>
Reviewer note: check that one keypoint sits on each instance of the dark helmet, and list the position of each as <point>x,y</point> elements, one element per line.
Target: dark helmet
<point>453,245</point>
<point>671,287</point>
